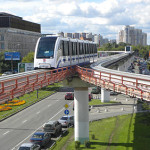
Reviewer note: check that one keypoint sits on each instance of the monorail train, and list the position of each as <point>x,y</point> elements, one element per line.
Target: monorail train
<point>56,52</point>
<point>128,49</point>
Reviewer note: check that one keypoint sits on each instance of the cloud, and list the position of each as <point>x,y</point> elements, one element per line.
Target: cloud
<point>97,16</point>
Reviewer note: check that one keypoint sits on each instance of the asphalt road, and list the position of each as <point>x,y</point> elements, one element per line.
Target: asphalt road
<point>19,128</point>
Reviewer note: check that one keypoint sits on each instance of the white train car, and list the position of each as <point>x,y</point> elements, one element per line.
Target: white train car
<point>128,49</point>
<point>56,52</point>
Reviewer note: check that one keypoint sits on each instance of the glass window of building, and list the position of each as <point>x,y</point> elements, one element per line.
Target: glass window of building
<point>2,46</point>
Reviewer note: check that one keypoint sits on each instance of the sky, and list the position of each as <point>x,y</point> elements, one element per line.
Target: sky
<point>105,17</point>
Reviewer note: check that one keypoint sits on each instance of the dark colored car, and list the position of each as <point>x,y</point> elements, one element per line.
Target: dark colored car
<point>96,90</point>
<point>69,96</point>
<point>52,127</point>
<point>113,93</point>
<point>40,138</point>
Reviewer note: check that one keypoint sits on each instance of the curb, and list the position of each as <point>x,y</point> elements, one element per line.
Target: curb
<point>119,103</point>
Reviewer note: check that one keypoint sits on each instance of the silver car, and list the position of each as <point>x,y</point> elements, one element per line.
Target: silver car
<point>29,146</point>
<point>67,121</point>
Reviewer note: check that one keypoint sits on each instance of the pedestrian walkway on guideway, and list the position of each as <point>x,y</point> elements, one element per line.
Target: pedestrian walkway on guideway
<point>127,105</point>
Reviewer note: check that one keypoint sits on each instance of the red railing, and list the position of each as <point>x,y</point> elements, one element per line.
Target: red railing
<point>135,87</point>
<point>18,86</point>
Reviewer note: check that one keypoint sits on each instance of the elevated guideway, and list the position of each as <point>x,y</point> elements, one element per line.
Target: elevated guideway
<point>16,85</point>
<point>135,85</point>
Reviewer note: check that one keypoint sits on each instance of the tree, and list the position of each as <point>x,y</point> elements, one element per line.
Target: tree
<point>4,65</point>
<point>29,58</point>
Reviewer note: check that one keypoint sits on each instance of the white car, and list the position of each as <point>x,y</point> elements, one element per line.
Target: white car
<point>29,146</point>
<point>6,73</point>
<point>66,121</point>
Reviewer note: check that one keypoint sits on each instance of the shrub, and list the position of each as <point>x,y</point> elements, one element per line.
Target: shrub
<point>87,144</point>
<point>93,137</point>
<point>146,106</point>
<point>77,144</point>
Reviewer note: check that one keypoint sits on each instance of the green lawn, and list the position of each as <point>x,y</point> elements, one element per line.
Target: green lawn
<point>98,102</point>
<point>127,132</point>
<point>31,98</point>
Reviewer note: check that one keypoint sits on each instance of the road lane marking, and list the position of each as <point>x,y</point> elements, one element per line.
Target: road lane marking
<point>6,132</point>
<point>49,105</point>
<point>37,129</point>
<point>24,121</point>
<point>38,112</point>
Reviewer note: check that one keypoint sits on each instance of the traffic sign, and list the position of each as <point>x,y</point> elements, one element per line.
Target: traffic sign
<point>66,111</point>
<point>66,106</point>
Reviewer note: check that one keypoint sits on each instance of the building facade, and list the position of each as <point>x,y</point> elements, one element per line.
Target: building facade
<point>76,35</point>
<point>68,35</point>
<point>132,36</point>
<point>17,34</point>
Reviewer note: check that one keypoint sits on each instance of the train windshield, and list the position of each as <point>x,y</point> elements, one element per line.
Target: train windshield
<point>46,47</point>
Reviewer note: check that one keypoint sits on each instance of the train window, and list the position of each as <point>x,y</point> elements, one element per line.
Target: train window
<point>85,48</point>
<point>66,48</point>
<point>62,47</point>
<point>70,48</point>
<point>77,50</point>
<point>92,48</point>
<point>74,48</point>
<point>46,47</point>
<point>88,48</point>
<point>80,51</point>
<point>84,52</point>
<point>95,49</point>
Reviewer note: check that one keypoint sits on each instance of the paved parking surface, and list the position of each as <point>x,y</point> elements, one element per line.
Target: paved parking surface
<point>127,105</point>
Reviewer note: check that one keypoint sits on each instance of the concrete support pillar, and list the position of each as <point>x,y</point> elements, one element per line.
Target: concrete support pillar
<point>105,95</point>
<point>81,114</point>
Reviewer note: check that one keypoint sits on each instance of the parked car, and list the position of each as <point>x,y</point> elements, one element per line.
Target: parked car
<point>52,127</point>
<point>29,146</point>
<point>41,138</point>
<point>113,93</point>
<point>7,73</point>
<point>96,90</point>
<point>67,121</point>
<point>69,96</point>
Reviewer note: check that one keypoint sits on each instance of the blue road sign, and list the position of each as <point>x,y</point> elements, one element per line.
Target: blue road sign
<point>12,56</point>
<point>66,111</point>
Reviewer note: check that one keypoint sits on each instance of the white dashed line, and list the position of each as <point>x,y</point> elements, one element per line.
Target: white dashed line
<point>37,129</point>
<point>49,105</point>
<point>24,121</point>
<point>38,112</point>
<point>6,132</point>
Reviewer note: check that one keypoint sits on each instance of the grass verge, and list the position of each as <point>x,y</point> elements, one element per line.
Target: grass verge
<point>98,102</point>
<point>31,98</point>
<point>126,132</point>
<point>64,140</point>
